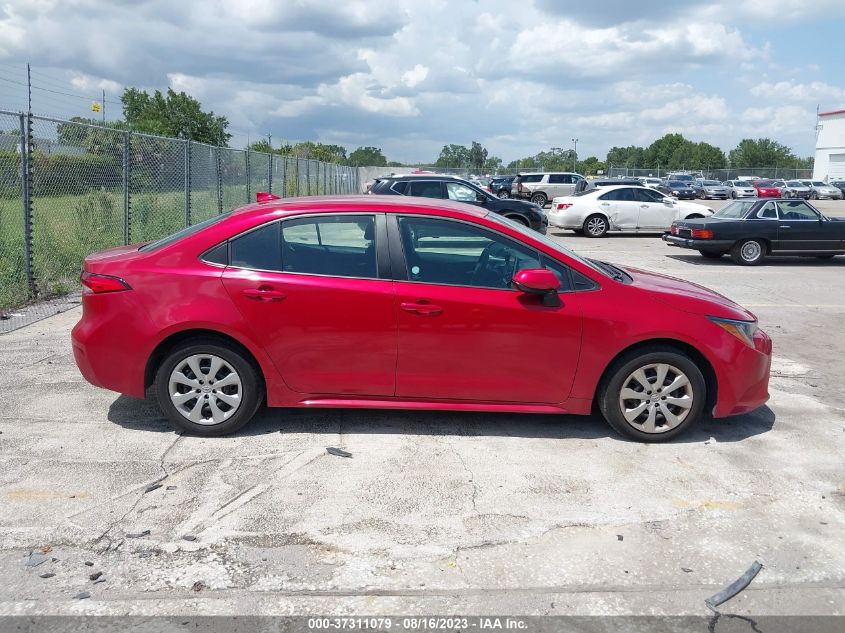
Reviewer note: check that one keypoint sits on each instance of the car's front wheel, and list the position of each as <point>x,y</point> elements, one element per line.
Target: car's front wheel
<point>595,226</point>
<point>748,252</point>
<point>653,395</point>
<point>208,388</point>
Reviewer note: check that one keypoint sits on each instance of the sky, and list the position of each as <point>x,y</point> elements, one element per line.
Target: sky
<point>410,76</point>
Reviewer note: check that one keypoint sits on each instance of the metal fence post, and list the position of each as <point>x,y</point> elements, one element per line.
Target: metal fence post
<point>126,218</point>
<point>284,176</point>
<point>248,176</point>
<point>26,190</point>
<point>325,178</point>
<point>270,173</point>
<point>296,187</point>
<point>307,176</point>
<point>219,167</point>
<point>188,182</point>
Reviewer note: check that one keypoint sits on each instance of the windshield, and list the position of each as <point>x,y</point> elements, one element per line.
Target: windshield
<point>735,210</point>
<point>560,248</point>
<point>196,228</point>
<point>741,183</point>
<point>794,183</point>
<point>677,183</point>
<point>818,183</point>
<point>711,183</point>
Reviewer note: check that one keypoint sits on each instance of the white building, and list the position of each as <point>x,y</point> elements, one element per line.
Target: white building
<point>830,146</point>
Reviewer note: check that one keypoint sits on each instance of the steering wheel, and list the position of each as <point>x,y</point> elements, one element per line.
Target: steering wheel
<point>499,274</point>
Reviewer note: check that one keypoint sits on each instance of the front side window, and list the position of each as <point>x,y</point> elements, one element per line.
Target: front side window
<point>338,246</point>
<point>458,254</point>
<point>768,211</point>
<point>459,192</point>
<point>648,195</point>
<point>425,189</point>
<point>797,210</point>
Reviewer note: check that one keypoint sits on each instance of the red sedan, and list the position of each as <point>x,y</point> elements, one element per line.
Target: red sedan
<point>407,303</point>
<point>766,189</point>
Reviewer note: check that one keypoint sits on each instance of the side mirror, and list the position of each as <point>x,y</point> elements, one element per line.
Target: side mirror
<point>668,201</point>
<point>539,281</point>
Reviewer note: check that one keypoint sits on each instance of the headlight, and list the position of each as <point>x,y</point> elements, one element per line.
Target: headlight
<point>674,193</point>
<point>743,330</point>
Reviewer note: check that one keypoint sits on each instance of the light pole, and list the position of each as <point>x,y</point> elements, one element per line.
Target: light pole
<point>575,158</point>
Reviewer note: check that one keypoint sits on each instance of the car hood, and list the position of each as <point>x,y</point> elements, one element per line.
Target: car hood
<point>687,296</point>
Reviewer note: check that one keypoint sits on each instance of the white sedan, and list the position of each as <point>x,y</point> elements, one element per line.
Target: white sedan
<point>635,209</point>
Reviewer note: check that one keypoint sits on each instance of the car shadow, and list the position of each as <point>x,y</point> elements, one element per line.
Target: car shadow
<point>144,415</point>
<point>809,261</point>
<point>611,235</point>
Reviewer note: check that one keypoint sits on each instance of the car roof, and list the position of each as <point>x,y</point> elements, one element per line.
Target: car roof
<point>362,202</point>
<point>543,173</point>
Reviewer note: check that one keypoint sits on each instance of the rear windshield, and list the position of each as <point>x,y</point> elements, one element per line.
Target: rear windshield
<point>195,228</point>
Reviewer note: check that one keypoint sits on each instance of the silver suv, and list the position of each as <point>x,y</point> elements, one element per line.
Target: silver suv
<point>540,187</point>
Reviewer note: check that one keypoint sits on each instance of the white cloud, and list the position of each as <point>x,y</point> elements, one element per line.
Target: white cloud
<point>414,76</point>
<point>813,92</point>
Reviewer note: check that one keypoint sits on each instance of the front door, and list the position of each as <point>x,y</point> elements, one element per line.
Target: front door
<point>621,207</point>
<point>801,228</point>
<point>310,290</point>
<point>655,214</point>
<point>465,332</point>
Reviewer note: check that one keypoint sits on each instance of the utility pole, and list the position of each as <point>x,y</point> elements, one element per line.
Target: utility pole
<point>575,157</point>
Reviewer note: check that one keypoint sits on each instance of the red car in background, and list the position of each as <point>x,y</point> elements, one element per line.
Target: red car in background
<point>387,302</point>
<point>766,189</point>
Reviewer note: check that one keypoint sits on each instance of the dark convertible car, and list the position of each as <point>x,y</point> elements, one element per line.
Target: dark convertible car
<point>751,230</point>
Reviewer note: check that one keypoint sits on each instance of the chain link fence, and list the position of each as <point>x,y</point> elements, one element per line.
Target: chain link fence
<point>68,189</point>
<point>715,174</point>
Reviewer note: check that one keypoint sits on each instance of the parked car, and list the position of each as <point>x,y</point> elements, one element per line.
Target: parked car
<point>706,189</point>
<point>681,176</point>
<point>648,181</point>
<point>766,188</point>
<point>822,191</point>
<point>753,230</point>
<point>453,188</point>
<point>839,184</point>
<point>677,189</point>
<point>792,189</point>
<point>500,186</point>
<point>598,183</point>
<point>741,189</point>
<point>540,187</point>
<point>621,208</point>
<point>374,302</point>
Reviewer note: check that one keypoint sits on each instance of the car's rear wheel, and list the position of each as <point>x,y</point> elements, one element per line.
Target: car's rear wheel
<point>595,226</point>
<point>539,198</point>
<point>208,388</point>
<point>711,255</point>
<point>504,195</point>
<point>748,252</point>
<point>653,395</point>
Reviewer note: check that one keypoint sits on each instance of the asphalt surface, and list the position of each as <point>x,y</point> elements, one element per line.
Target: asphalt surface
<point>435,512</point>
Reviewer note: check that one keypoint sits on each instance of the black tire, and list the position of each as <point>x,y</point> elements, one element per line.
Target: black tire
<point>251,386</point>
<point>503,194</point>
<point>595,225</point>
<point>539,198</point>
<point>711,255</point>
<point>518,218</point>
<point>814,195</point>
<point>733,195</point>
<point>744,254</point>
<point>609,392</point>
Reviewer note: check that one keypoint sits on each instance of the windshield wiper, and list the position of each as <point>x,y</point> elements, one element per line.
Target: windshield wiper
<point>615,273</point>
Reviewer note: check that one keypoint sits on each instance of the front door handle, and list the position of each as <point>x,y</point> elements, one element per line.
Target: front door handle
<point>264,294</point>
<point>605,204</point>
<point>643,206</point>
<point>424,309</point>
<point>785,226</point>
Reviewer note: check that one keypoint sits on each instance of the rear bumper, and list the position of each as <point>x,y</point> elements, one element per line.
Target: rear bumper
<point>711,246</point>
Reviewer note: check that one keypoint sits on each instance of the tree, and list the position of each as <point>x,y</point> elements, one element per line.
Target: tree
<point>262,146</point>
<point>590,166</point>
<point>173,114</point>
<point>662,151</point>
<point>367,157</point>
<point>708,156</point>
<point>762,152</point>
<point>453,155</point>
<point>94,140</point>
<point>493,163</point>
<point>632,157</point>
<point>477,155</point>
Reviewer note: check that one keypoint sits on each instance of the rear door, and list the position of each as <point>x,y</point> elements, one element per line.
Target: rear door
<point>425,189</point>
<point>621,207</point>
<point>560,185</point>
<point>802,229</point>
<point>318,298</point>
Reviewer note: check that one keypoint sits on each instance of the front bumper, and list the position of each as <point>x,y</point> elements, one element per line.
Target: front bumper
<point>711,246</point>
<point>743,381</point>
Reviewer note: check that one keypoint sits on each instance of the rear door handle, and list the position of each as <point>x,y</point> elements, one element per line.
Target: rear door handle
<point>425,309</point>
<point>263,294</point>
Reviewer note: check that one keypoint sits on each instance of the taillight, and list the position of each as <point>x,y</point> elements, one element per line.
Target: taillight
<point>674,230</point>
<point>99,284</point>
<point>519,187</point>
<point>702,234</point>
<point>563,206</point>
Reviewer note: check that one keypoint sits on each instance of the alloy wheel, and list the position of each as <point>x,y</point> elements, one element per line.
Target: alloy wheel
<point>656,398</point>
<point>596,226</point>
<point>751,251</point>
<point>205,389</point>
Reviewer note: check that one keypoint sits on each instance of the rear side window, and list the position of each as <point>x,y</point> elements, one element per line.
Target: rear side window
<point>338,246</point>
<point>259,249</point>
<point>558,179</point>
<point>531,178</point>
<point>426,189</point>
<point>399,187</point>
